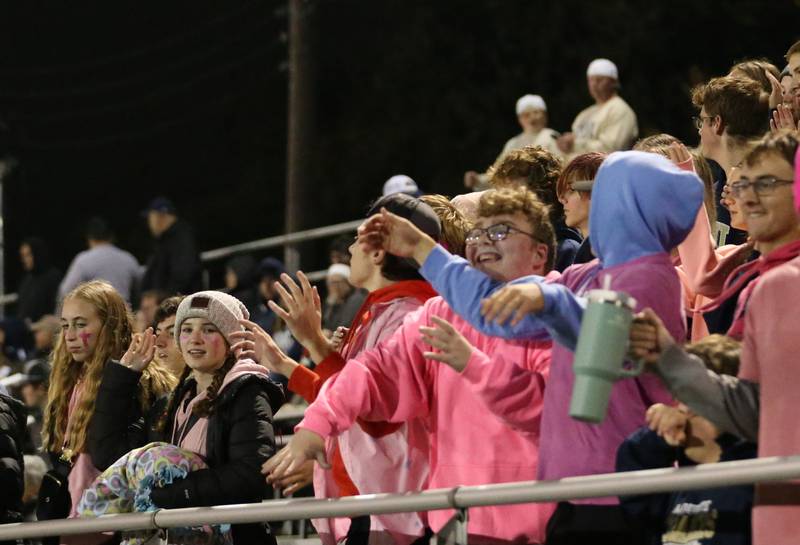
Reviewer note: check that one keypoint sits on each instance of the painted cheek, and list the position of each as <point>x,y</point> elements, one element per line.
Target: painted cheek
<point>185,338</point>
<point>85,338</point>
<point>212,339</point>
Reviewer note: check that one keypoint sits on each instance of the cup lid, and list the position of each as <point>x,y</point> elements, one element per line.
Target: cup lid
<point>611,296</point>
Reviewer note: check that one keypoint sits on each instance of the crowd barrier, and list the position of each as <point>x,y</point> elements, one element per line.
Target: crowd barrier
<point>460,499</point>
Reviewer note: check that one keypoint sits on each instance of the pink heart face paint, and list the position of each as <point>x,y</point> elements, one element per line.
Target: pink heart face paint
<point>203,347</point>
<point>81,326</point>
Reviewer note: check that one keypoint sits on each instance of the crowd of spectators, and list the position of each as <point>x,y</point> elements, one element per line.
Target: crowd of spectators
<point>442,351</point>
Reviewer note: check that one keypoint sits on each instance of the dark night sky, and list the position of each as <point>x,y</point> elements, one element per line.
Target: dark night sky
<point>106,104</point>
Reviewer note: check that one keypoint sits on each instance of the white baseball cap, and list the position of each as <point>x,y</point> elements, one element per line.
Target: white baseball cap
<point>400,183</point>
<point>602,67</point>
<point>530,102</point>
<point>339,269</point>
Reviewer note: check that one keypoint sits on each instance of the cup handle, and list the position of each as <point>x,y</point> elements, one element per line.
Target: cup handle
<point>636,368</point>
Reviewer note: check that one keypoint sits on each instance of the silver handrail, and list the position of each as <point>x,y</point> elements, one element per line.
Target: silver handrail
<point>281,240</point>
<point>595,486</point>
<point>260,244</point>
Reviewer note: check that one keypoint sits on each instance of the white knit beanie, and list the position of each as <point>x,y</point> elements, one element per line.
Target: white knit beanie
<point>221,309</point>
<point>530,102</point>
<point>603,67</point>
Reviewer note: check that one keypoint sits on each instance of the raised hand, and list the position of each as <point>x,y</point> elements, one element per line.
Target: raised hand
<point>305,446</point>
<point>141,351</point>
<point>395,235</point>
<point>782,119</point>
<point>678,154</point>
<point>302,312</point>
<point>449,345</point>
<point>776,95</point>
<point>257,344</point>
<point>517,301</point>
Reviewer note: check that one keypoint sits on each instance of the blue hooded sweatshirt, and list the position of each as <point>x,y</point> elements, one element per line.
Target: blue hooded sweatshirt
<point>642,207</point>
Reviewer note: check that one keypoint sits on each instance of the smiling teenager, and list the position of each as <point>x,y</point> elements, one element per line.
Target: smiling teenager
<point>642,207</point>
<point>764,195</point>
<point>375,456</point>
<point>401,379</point>
<point>221,409</point>
<point>95,329</point>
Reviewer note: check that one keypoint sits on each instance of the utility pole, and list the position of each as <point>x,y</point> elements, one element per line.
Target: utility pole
<point>300,124</point>
<point>6,165</point>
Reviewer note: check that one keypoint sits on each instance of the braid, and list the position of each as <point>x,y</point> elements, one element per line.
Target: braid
<point>205,407</point>
<point>172,404</point>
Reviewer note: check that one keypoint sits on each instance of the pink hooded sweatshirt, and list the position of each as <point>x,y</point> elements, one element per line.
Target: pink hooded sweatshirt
<point>702,268</point>
<point>394,462</point>
<point>469,445</point>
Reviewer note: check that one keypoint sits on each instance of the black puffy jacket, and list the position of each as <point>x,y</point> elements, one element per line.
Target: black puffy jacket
<point>240,439</point>
<point>13,418</point>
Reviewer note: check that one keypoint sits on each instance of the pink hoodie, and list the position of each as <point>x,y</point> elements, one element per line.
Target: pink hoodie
<point>395,462</point>
<point>702,268</point>
<point>195,439</point>
<point>469,445</point>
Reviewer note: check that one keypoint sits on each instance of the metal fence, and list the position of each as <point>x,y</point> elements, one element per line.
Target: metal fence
<point>267,243</point>
<point>459,499</point>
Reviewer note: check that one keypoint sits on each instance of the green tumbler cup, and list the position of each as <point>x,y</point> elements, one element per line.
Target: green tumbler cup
<point>600,354</point>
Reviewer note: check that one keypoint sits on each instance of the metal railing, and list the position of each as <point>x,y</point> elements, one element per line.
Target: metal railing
<point>458,498</point>
<point>260,244</point>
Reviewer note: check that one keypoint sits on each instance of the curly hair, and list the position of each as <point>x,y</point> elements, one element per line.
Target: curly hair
<point>534,167</point>
<point>718,352</point>
<point>454,224</point>
<point>69,435</point>
<point>520,199</point>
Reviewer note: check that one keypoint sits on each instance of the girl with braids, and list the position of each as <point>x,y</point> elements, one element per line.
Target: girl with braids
<point>95,328</point>
<point>221,409</point>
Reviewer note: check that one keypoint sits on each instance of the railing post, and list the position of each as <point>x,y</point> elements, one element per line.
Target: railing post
<point>454,532</point>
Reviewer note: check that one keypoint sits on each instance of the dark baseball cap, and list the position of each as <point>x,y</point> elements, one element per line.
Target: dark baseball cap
<point>160,204</point>
<point>412,209</point>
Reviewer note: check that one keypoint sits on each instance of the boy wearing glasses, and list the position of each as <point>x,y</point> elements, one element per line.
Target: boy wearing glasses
<point>642,207</point>
<point>762,403</point>
<point>763,194</point>
<point>402,377</point>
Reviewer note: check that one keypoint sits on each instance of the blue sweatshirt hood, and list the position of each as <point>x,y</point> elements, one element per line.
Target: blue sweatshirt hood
<point>642,204</point>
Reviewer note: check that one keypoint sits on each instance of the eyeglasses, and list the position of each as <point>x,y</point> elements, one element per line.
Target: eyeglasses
<point>762,186</point>
<point>700,119</point>
<point>495,233</point>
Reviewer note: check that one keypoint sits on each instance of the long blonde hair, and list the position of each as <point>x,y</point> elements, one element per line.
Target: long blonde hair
<point>112,342</point>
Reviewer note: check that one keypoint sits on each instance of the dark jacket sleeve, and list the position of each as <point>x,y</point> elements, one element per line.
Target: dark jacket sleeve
<point>248,442</point>
<point>11,464</point>
<point>118,425</point>
<point>644,449</point>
